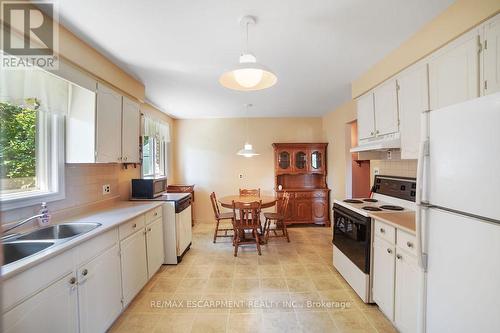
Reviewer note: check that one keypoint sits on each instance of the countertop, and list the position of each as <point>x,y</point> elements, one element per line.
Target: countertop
<point>165,197</point>
<point>401,220</point>
<point>109,217</point>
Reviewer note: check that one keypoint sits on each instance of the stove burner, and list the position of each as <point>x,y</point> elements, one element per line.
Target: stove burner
<point>371,208</point>
<point>353,201</point>
<point>391,207</point>
<point>370,200</point>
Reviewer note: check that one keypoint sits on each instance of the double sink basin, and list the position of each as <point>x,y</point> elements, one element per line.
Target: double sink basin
<point>20,246</point>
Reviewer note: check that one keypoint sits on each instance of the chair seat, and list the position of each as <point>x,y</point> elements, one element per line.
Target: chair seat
<point>274,216</point>
<point>226,216</point>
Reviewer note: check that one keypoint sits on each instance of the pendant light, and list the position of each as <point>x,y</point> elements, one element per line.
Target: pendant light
<point>248,74</point>
<point>247,150</point>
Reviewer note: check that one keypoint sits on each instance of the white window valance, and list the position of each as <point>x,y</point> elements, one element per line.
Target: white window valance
<point>23,86</point>
<point>156,128</point>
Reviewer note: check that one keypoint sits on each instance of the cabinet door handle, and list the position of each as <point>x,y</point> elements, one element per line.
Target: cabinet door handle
<point>389,251</point>
<point>72,281</point>
<point>409,244</point>
<point>399,256</point>
<point>134,226</point>
<point>125,158</point>
<point>119,158</point>
<point>382,230</point>
<point>156,214</point>
<point>371,133</point>
<point>149,229</point>
<point>85,272</point>
<point>377,132</point>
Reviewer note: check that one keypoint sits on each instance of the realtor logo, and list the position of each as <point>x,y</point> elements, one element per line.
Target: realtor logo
<point>29,35</point>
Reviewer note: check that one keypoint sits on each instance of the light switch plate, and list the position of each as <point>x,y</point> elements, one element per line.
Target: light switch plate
<point>376,171</point>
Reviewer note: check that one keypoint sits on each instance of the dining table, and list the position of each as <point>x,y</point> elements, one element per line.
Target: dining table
<point>267,200</point>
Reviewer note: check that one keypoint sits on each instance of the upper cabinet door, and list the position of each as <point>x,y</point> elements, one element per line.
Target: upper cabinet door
<point>317,160</point>
<point>491,56</point>
<point>454,72</point>
<point>386,108</point>
<point>131,122</point>
<point>109,125</point>
<point>300,161</point>
<point>366,120</point>
<point>283,161</point>
<point>413,98</point>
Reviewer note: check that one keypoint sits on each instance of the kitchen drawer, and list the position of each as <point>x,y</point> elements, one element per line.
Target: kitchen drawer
<point>153,214</point>
<point>319,194</point>
<point>91,248</point>
<point>302,195</point>
<point>407,242</point>
<point>131,226</point>
<point>385,231</point>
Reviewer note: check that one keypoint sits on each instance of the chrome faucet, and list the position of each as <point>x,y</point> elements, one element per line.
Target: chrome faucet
<point>20,223</point>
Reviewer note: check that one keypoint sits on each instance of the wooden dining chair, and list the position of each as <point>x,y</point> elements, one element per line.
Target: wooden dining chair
<point>246,218</point>
<point>249,192</point>
<point>279,218</point>
<point>219,217</point>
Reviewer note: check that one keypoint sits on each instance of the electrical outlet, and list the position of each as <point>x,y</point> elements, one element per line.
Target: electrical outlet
<point>106,189</point>
<point>240,176</point>
<point>376,171</point>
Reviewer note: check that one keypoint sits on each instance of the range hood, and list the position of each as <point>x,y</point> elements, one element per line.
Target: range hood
<point>378,145</point>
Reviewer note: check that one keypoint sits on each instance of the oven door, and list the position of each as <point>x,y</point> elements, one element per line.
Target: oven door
<point>351,235</point>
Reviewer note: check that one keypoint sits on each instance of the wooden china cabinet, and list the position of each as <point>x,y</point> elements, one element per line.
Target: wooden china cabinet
<point>300,169</point>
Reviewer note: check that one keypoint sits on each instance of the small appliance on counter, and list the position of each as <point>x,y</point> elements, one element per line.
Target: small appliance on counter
<point>149,187</point>
<point>176,212</point>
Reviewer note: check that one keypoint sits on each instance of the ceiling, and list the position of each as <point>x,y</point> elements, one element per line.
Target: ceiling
<point>179,48</point>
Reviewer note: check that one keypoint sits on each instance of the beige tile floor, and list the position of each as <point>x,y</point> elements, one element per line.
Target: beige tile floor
<point>292,287</point>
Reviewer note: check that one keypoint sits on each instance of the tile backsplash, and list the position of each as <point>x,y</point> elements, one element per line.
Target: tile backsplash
<point>84,184</point>
<point>401,168</point>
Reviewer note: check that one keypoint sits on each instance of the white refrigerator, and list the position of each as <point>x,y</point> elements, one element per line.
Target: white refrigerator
<point>458,218</point>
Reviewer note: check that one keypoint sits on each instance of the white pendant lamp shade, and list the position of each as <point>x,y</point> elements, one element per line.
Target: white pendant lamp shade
<point>248,74</point>
<point>247,151</point>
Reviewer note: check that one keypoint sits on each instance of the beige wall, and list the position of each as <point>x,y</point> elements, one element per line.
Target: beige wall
<point>206,154</point>
<point>83,183</point>
<point>334,132</point>
<point>460,17</point>
<point>75,51</point>
<point>401,168</point>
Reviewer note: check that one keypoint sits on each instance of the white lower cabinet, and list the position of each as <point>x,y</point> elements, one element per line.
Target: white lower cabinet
<point>53,309</point>
<point>406,292</point>
<point>154,246</point>
<point>99,291</point>
<point>396,280</point>
<point>383,276</point>
<point>134,265</point>
<point>84,289</point>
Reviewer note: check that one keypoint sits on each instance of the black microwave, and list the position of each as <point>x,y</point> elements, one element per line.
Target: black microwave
<point>148,188</point>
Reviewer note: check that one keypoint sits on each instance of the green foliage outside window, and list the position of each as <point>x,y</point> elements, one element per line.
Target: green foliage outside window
<point>17,141</point>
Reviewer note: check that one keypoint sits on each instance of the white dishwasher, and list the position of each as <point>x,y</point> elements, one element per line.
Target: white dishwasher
<point>177,232</point>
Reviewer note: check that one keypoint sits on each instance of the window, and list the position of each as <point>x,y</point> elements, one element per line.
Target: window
<point>32,107</point>
<point>155,141</point>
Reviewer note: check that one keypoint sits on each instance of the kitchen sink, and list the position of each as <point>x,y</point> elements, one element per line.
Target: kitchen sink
<point>19,246</point>
<point>59,231</point>
<point>17,250</point>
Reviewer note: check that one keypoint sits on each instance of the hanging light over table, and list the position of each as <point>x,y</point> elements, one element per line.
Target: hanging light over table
<point>248,74</point>
<point>247,150</point>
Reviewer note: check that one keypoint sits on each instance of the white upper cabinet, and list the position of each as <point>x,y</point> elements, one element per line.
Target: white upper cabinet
<point>109,125</point>
<point>366,116</point>
<point>491,56</point>
<point>131,122</point>
<point>413,99</point>
<point>386,108</point>
<point>454,72</point>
